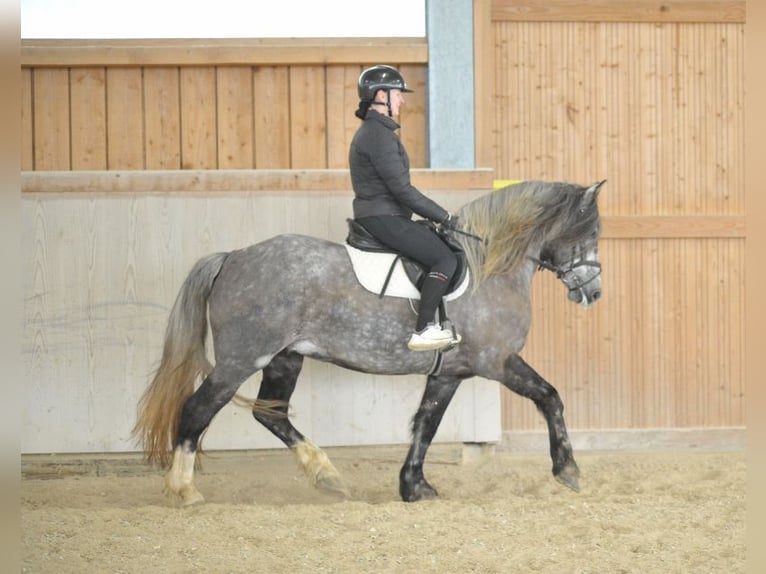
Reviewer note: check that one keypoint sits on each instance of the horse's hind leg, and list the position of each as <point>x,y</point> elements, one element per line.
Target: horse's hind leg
<point>199,409</point>
<point>436,397</point>
<point>278,384</point>
<point>522,379</point>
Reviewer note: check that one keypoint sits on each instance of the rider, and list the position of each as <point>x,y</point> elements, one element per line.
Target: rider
<point>384,199</point>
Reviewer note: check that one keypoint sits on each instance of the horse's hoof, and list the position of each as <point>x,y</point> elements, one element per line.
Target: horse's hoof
<point>333,484</point>
<point>568,476</point>
<point>188,496</point>
<point>191,498</point>
<point>418,492</point>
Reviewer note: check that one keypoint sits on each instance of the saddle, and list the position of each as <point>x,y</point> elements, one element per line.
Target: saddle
<point>360,239</point>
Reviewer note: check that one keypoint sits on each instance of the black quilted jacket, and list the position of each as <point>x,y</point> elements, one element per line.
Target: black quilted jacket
<point>380,173</point>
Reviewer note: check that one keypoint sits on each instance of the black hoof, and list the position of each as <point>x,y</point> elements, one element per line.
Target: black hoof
<point>418,491</point>
<point>568,476</point>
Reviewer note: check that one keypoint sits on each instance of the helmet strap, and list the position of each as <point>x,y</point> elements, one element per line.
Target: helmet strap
<point>387,103</point>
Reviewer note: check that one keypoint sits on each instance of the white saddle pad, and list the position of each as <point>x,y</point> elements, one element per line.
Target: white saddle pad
<point>371,269</point>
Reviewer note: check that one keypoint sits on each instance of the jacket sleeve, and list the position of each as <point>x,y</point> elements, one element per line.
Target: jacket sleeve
<point>392,165</point>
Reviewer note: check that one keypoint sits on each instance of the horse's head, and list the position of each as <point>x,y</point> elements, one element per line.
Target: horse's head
<point>573,254</point>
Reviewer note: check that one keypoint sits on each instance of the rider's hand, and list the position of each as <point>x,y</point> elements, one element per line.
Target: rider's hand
<point>451,222</point>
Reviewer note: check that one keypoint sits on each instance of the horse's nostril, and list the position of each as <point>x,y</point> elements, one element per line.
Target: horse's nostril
<point>596,295</point>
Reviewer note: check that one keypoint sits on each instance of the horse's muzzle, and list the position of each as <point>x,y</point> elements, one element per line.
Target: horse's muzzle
<point>583,298</point>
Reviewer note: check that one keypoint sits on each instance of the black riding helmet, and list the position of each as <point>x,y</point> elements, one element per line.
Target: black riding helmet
<point>379,78</point>
<point>376,78</point>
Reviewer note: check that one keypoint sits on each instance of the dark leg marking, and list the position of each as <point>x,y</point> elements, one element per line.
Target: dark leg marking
<point>436,398</point>
<point>279,379</point>
<point>525,381</point>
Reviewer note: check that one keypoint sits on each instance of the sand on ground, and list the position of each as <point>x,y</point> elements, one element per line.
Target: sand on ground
<point>642,512</point>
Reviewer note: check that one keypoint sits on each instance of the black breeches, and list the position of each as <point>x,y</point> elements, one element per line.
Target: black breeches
<point>421,244</point>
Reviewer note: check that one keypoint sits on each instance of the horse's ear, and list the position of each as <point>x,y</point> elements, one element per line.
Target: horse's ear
<point>591,194</point>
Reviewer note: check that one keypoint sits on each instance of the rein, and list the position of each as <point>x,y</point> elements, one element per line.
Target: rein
<point>461,232</point>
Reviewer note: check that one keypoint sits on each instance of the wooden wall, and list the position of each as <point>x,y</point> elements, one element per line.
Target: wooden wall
<point>648,95</point>
<point>213,104</point>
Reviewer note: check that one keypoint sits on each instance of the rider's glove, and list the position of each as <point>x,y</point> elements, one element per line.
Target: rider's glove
<point>451,222</point>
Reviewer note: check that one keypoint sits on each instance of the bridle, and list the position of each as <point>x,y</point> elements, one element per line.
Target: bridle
<point>566,272</point>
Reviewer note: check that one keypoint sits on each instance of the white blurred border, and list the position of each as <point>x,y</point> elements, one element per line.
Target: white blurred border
<point>221,18</point>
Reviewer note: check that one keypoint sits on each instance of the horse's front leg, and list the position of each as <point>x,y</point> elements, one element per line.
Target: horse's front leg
<point>523,380</point>
<point>436,397</point>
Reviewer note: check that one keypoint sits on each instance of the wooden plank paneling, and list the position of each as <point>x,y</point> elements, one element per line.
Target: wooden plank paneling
<point>222,52</point>
<point>484,73</point>
<point>125,105</point>
<point>680,226</point>
<point>342,100</point>
<point>624,11</point>
<point>221,114</point>
<point>308,132</point>
<point>106,268</point>
<point>413,116</point>
<point>198,113</point>
<point>657,109</point>
<point>88,93</point>
<point>235,117</point>
<point>271,95</point>
<point>51,119</point>
<point>569,107</point>
<point>660,350</point>
<point>27,121</point>
<point>162,105</point>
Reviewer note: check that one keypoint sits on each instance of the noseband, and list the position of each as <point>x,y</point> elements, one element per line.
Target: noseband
<point>562,271</point>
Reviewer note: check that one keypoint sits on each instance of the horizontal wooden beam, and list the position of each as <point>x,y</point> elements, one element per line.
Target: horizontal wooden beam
<point>673,226</point>
<point>219,52</point>
<point>235,180</point>
<point>338,181</point>
<point>731,11</point>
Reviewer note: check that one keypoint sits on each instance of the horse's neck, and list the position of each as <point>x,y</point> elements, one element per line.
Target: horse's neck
<point>519,281</point>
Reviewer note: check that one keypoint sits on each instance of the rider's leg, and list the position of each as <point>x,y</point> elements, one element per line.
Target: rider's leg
<point>418,242</point>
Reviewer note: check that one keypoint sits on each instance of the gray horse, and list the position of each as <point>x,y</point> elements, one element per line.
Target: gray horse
<point>291,296</point>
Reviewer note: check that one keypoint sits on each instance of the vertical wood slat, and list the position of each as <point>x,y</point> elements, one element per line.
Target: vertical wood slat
<point>484,74</point>
<point>413,116</point>
<point>88,93</point>
<point>235,117</point>
<point>271,101</point>
<point>308,133</point>
<point>51,119</point>
<point>342,99</point>
<point>198,113</point>
<point>163,118</point>
<point>27,122</point>
<point>125,127</point>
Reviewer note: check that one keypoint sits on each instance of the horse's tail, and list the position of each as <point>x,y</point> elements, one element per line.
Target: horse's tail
<point>183,360</point>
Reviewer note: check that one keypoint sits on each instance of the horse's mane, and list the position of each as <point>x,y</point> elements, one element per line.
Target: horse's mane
<point>512,218</point>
